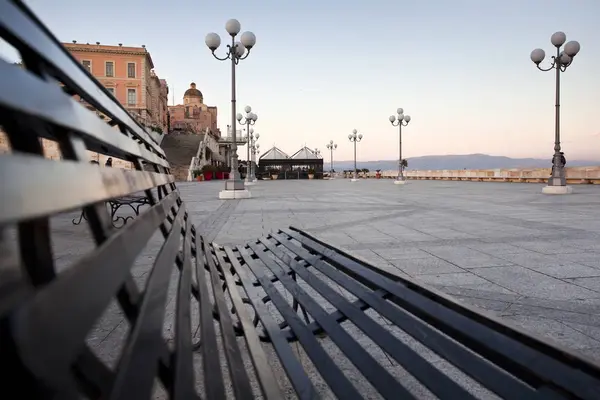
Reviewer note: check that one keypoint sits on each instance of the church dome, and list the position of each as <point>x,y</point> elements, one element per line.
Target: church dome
<point>193,92</point>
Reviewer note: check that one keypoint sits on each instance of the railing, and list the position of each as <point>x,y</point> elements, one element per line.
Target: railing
<point>199,160</point>
<point>192,168</point>
<point>575,175</point>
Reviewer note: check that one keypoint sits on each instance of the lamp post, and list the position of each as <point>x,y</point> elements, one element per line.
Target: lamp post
<point>249,120</point>
<point>400,121</point>
<point>557,183</point>
<point>254,149</point>
<point>354,137</point>
<point>236,51</point>
<point>331,147</point>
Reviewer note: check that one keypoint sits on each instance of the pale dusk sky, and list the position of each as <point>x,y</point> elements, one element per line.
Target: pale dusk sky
<point>460,68</point>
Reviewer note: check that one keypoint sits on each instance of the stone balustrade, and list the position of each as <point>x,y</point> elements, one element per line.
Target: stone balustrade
<point>575,175</point>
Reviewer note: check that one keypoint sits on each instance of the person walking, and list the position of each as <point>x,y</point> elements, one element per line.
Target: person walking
<point>108,162</point>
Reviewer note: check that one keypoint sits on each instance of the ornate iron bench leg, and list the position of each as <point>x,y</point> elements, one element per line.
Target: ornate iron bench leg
<point>114,207</point>
<point>137,207</point>
<point>82,216</point>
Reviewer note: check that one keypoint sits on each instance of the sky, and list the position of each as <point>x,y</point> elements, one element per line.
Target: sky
<point>320,69</point>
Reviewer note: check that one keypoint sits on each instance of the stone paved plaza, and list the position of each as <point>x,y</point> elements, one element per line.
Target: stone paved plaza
<point>531,259</point>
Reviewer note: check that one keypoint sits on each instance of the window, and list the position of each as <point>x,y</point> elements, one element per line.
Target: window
<point>109,68</point>
<point>87,64</point>
<point>111,90</point>
<point>131,70</point>
<point>131,97</point>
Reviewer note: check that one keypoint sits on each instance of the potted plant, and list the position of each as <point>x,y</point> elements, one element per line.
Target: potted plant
<point>311,173</point>
<point>274,173</point>
<point>220,172</point>
<point>197,174</point>
<point>226,170</point>
<point>208,172</point>
<point>378,173</point>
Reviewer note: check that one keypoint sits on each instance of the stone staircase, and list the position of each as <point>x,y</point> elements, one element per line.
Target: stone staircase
<point>179,149</point>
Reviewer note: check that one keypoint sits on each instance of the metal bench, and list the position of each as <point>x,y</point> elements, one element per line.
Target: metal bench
<point>134,203</point>
<point>281,316</point>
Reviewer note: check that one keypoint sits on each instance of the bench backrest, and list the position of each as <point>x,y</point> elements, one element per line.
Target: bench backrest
<point>46,315</point>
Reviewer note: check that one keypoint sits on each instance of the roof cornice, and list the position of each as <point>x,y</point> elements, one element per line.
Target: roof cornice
<point>103,50</point>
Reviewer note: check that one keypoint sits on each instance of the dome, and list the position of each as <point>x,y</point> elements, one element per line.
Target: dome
<point>193,92</point>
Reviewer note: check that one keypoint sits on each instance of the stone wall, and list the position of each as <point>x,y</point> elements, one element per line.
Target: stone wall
<point>575,175</point>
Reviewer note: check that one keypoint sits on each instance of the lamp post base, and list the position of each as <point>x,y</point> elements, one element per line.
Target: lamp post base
<point>557,190</point>
<point>249,183</point>
<point>400,182</point>
<point>234,189</point>
<point>234,194</point>
<point>354,180</point>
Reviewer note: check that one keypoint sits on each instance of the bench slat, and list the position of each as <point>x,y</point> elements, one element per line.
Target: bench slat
<point>137,367</point>
<point>431,377</point>
<point>528,363</point>
<point>268,382</point>
<point>97,376</point>
<point>338,382</point>
<point>237,371</point>
<point>43,191</point>
<point>213,378</point>
<point>53,106</point>
<point>183,385</point>
<point>25,32</point>
<point>302,384</point>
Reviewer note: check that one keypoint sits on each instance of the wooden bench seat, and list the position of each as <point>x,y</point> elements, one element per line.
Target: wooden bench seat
<point>284,316</point>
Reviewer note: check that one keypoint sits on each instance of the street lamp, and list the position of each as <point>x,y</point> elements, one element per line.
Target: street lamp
<point>317,152</point>
<point>249,120</point>
<point>557,183</point>
<point>236,51</point>
<point>331,147</point>
<point>400,121</point>
<point>353,137</point>
<point>254,148</point>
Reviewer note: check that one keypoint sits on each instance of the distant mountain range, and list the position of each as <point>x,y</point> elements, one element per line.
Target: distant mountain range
<point>468,161</point>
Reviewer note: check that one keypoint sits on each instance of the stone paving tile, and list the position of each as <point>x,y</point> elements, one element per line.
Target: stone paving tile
<point>592,283</point>
<point>462,280</point>
<point>401,253</point>
<point>528,282</point>
<point>568,270</point>
<point>548,248</point>
<point>465,257</point>
<point>555,330</point>
<point>494,249</point>
<point>429,265</point>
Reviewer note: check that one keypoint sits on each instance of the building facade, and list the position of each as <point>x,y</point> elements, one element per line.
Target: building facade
<point>128,73</point>
<point>193,116</point>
